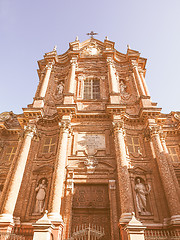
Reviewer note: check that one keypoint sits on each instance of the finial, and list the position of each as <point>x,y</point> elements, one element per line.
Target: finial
<point>106,38</point>
<point>77,39</point>
<point>55,48</point>
<point>128,46</point>
<point>92,34</point>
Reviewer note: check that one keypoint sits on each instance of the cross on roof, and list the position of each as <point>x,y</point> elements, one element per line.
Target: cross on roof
<point>92,34</point>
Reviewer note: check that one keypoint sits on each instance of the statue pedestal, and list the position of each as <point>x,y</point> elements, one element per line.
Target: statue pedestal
<point>43,229</point>
<point>6,223</point>
<point>134,230</point>
<point>56,220</point>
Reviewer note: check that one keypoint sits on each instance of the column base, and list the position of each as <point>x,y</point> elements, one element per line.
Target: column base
<point>175,220</point>
<point>6,223</point>
<point>125,218</point>
<point>115,98</point>
<point>43,228</point>
<point>38,103</point>
<point>57,221</point>
<point>55,217</point>
<point>69,99</point>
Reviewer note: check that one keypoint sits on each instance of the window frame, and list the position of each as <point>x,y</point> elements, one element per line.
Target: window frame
<point>90,92</point>
<point>172,155</point>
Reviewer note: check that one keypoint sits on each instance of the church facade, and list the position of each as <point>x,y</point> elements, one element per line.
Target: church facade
<point>92,153</point>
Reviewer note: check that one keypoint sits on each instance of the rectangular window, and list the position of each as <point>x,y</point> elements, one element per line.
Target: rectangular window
<point>91,89</point>
<point>173,153</point>
<point>133,144</point>
<point>49,144</point>
<point>10,152</point>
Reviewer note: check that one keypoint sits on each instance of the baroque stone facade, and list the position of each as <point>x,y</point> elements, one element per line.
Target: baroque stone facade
<point>91,149</point>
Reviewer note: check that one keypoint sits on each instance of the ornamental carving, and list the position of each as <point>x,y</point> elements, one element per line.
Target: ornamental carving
<point>5,116</point>
<point>91,196</point>
<point>177,116</point>
<point>92,50</point>
<point>91,164</point>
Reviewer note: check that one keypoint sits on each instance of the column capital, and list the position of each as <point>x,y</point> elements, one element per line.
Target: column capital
<point>109,60</point>
<point>134,63</point>
<point>118,126</point>
<point>50,64</point>
<point>65,126</point>
<point>162,135</point>
<point>154,130</point>
<point>30,130</point>
<point>73,62</point>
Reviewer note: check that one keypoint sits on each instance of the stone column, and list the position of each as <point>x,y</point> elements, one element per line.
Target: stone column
<point>70,88</point>
<point>166,177</point>
<point>113,83</point>
<point>162,137</point>
<point>59,173</point>
<point>125,194</point>
<point>113,210</point>
<point>71,78</point>
<point>39,102</point>
<point>138,79</point>
<point>144,83</point>
<point>68,205</point>
<point>17,176</point>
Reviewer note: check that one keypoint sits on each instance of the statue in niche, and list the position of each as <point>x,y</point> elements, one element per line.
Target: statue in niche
<point>123,89</point>
<point>60,88</point>
<point>40,196</point>
<point>141,197</point>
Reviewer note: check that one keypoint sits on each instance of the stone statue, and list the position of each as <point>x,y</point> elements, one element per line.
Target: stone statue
<point>40,196</point>
<point>60,88</point>
<point>123,91</point>
<point>141,197</point>
<point>122,87</point>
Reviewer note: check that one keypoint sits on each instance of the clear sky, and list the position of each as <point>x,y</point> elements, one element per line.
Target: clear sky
<point>28,29</point>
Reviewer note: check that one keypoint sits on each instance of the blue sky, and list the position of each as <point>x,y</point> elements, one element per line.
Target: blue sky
<point>28,29</point>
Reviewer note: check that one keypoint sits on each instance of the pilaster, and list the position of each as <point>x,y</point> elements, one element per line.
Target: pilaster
<point>113,210</point>
<point>59,173</point>
<point>9,203</point>
<point>166,176</point>
<point>70,89</point>
<point>39,101</point>
<point>122,169</point>
<point>113,82</point>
